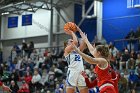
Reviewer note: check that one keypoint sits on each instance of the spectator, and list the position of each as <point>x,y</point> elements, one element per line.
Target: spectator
<point>131,64</point>
<point>49,61</point>
<point>44,80</point>
<point>63,86</point>
<point>113,50</point>
<point>46,53</point>
<point>137,60</point>
<point>137,70</point>
<point>14,76</point>
<point>122,84</point>
<point>57,89</point>
<point>130,35</point>
<point>138,36</point>
<point>124,59</point>
<point>28,78</point>
<point>16,48</point>
<point>24,49</point>
<point>133,79</point>
<point>118,58</point>
<point>24,88</point>
<point>36,80</point>
<point>14,87</point>
<point>133,54</point>
<point>30,48</point>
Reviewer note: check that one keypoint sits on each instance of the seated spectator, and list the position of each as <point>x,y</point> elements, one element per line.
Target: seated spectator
<point>112,49</point>
<point>34,55</point>
<point>132,81</point>
<point>137,70</point>
<point>14,76</point>
<point>24,88</point>
<point>51,77</point>
<point>58,72</point>
<point>63,86</point>
<point>131,63</point>
<point>44,80</point>
<point>57,89</point>
<point>14,87</point>
<point>124,59</point>
<point>46,53</point>
<point>36,80</point>
<point>49,60</point>
<point>137,60</point>
<point>40,62</point>
<point>133,54</point>
<point>122,84</point>
<point>28,78</point>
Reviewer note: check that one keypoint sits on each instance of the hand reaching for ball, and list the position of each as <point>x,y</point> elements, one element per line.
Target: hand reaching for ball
<point>70,26</point>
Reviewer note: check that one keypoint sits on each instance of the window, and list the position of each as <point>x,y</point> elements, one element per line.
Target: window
<point>130,3</point>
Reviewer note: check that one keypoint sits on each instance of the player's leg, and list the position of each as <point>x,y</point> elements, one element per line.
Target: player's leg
<point>83,89</point>
<point>82,85</point>
<point>70,89</point>
<point>71,81</point>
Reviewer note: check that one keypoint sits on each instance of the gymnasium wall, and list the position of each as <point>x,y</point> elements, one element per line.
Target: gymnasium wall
<point>40,17</point>
<point>118,20</point>
<point>34,32</point>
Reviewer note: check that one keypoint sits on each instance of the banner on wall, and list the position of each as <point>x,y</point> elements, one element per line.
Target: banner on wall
<point>12,22</point>
<point>26,20</point>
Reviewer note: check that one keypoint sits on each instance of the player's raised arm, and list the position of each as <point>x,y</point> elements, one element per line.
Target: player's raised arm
<point>82,43</point>
<point>69,46</point>
<point>85,39</point>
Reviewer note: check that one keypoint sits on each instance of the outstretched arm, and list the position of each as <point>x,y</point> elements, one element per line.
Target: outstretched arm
<point>85,39</point>
<point>90,84</point>
<point>89,59</point>
<point>82,45</point>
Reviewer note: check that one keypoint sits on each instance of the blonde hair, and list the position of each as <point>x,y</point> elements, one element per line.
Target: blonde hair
<point>104,50</point>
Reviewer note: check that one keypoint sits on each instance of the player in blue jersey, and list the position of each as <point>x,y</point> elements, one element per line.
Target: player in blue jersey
<point>75,66</point>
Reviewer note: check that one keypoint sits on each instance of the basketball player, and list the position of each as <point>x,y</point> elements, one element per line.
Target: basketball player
<point>102,68</point>
<point>93,84</point>
<point>75,66</point>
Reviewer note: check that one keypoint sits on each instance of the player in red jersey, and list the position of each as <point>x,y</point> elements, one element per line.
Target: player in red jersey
<point>102,68</point>
<point>5,88</point>
<point>93,84</point>
<point>115,78</point>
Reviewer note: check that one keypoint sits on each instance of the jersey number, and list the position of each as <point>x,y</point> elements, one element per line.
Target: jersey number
<point>77,58</point>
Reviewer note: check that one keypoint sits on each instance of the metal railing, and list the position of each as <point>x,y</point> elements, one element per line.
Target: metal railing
<point>132,43</point>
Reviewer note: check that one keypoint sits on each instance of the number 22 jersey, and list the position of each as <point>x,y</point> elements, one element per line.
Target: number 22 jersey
<point>74,61</point>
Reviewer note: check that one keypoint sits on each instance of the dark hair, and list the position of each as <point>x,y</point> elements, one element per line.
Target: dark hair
<point>104,50</point>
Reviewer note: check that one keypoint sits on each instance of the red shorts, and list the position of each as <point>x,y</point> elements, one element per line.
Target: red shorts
<point>108,89</point>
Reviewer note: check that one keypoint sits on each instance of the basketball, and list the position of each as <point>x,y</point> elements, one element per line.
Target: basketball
<point>70,26</point>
